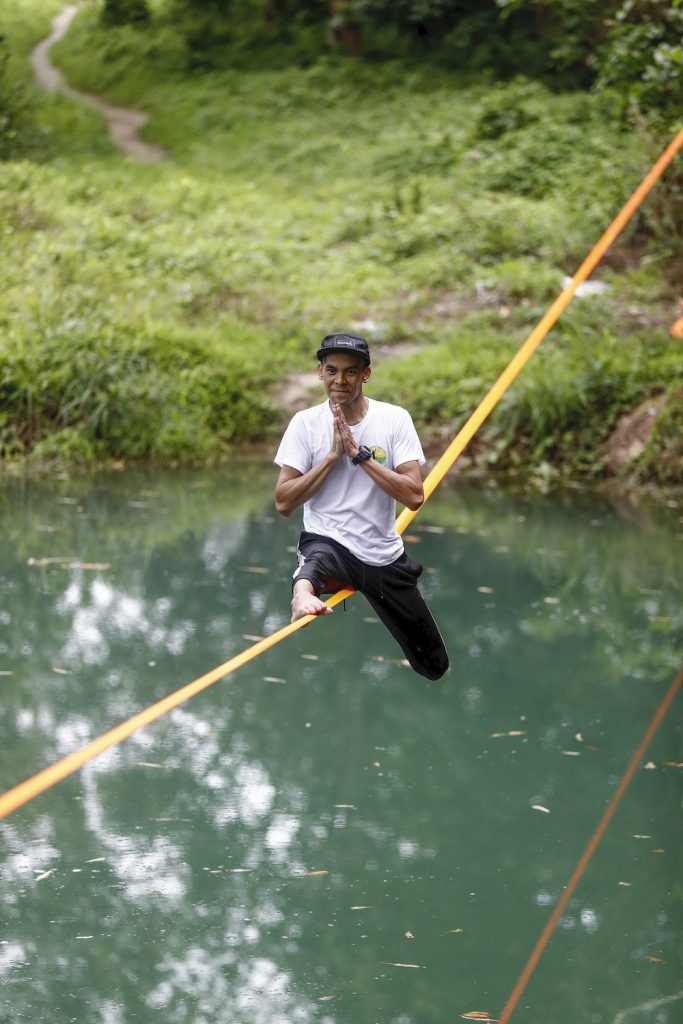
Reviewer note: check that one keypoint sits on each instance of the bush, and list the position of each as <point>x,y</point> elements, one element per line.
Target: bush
<point>125,12</point>
<point>166,395</point>
<point>13,108</point>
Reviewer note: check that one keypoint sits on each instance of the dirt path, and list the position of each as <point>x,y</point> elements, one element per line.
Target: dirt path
<point>123,123</point>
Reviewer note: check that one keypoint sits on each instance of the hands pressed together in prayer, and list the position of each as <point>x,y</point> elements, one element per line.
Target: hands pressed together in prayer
<point>343,442</point>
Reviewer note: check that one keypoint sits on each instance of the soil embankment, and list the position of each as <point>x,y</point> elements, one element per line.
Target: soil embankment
<point>123,123</point>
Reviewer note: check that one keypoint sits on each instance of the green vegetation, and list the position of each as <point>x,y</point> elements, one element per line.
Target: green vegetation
<point>154,311</point>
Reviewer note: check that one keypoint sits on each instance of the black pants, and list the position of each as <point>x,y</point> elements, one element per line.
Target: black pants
<point>391,590</point>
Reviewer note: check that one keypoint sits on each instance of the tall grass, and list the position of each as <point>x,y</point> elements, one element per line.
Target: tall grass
<point>153,312</point>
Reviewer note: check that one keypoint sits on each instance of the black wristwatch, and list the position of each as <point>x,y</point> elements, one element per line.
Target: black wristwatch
<point>363,453</point>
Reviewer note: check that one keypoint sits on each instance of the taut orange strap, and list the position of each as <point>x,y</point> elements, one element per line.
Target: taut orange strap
<point>578,871</point>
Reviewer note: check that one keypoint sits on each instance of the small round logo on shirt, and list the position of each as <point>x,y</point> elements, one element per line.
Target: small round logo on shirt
<point>379,453</point>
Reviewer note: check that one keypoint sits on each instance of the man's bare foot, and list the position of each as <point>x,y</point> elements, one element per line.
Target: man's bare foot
<point>308,604</point>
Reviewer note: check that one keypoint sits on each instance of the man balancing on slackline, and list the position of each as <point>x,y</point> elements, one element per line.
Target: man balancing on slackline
<point>348,461</point>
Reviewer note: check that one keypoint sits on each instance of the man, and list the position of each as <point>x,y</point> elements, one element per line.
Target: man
<point>348,461</point>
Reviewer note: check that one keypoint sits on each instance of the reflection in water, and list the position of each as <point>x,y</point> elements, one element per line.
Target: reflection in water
<point>271,850</point>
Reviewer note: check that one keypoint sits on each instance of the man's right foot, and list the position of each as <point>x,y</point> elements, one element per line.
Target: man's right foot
<point>308,604</point>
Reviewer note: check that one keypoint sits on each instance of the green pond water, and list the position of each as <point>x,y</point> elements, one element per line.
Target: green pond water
<point>323,836</point>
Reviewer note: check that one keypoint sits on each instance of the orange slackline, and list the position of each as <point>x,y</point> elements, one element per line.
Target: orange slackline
<point>30,788</point>
<point>590,850</point>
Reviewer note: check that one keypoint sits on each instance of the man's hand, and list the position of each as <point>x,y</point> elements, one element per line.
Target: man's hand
<point>338,448</point>
<point>343,431</point>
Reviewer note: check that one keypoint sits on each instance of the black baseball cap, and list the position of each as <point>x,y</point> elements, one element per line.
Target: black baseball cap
<point>344,342</point>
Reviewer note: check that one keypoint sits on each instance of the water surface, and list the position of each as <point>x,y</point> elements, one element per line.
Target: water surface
<point>324,836</point>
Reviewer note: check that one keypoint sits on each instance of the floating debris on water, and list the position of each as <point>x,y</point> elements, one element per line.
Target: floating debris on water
<point>417,967</point>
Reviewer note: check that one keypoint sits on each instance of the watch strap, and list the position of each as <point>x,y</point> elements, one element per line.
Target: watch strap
<point>362,455</point>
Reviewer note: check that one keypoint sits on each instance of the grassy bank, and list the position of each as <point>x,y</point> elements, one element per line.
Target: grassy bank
<point>154,312</point>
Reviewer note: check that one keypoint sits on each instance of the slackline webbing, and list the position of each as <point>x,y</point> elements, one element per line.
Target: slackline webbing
<point>32,787</point>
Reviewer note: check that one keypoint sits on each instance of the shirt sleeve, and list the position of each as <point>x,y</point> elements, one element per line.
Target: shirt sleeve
<point>407,447</point>
<point>294,449</point>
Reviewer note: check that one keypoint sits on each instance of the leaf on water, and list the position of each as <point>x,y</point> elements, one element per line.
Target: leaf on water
<point>363,906</point>
<point>370,618</point>
<point>325,999</point>
<point>636,835</point>
<point>455,931</point>
<point>411,538</point>
<point>314,874</point>
<point>510,732</point>
<point>626,884</point>
<point>659,850</point>
<point>551,600</point>
<point>654,959</point>
<point>311,657</point>
<point>417,967</point>
<point>485,590</point>
<point>650,766</point>
<point>502,549</point>
<point>252,637</point>
<point>348,807</point>
<point>578,737</point>
<point>477,1015</point>
<point>90,566</point>
<point>409,935</point>
<point>43,874</point>
<point>572,753</point>
<point>669,764</point>
<point>6,672</point>
<point>61,560</point>
<point>257,569</point>
<point>61,671</point>
<point>96,860</point>
<point>540,807</point>
<point>273,679</point>
<point>148,764</point>
<point>238,871</point>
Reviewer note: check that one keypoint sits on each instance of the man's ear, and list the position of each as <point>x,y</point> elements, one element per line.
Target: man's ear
<point>320,371</point>
<point>366,374</point>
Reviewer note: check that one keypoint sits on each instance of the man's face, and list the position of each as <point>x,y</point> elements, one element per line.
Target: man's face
<point>343,375</point>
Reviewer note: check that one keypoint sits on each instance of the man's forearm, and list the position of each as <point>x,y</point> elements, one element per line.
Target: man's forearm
<point>401,486</point>
<point>290,494</point>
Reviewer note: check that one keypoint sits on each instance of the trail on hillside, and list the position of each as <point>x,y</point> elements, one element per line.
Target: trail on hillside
<point>123,123</point>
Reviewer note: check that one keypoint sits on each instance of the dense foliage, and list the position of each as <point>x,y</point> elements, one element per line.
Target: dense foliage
<point>635,46</point>
<point>162,311</point>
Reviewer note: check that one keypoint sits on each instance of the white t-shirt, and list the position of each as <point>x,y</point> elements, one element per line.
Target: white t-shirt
<point>349,506</point>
